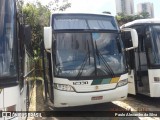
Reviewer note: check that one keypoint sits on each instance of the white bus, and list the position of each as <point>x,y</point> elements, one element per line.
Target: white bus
<point>16,60</point>
<point>144,62</point>
<point>86,55</point>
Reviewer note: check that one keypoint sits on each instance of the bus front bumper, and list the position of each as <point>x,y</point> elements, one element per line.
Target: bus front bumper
<point>68,99</point>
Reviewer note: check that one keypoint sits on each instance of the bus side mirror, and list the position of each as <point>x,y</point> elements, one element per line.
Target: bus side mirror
<point>47,38</point>
<point>132,36</point>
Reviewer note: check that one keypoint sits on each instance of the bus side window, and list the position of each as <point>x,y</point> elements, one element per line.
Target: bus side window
<point>141,51</point>
<point>141,37</point>
<point>126,38</point>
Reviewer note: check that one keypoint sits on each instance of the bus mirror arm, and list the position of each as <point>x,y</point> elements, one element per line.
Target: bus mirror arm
<point>134,37</point>
<point>131,48</point>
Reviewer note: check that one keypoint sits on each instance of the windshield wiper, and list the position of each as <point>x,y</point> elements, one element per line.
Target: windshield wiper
<point>100,56</point>
<point>97,53</point>
<point>84,62</point>
<point>89,53</point>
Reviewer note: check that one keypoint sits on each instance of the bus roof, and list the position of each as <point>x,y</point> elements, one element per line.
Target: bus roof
<point>141,21</point>
<point>65,13</point>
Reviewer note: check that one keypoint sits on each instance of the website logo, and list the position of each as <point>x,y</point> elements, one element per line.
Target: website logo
<point>6,114</point>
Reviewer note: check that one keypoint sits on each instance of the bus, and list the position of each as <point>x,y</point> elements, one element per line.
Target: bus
<point>85,59</point>
<point>16,60</point>
<point>144,62</point>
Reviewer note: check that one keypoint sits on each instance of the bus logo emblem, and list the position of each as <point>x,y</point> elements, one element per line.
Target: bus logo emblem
<point>96,87</point>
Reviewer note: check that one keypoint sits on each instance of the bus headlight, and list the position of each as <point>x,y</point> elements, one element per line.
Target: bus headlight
<point>122,82</point>
<point>63,87</point>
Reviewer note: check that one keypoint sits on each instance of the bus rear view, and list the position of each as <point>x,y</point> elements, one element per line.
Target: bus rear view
<point>86,56</point>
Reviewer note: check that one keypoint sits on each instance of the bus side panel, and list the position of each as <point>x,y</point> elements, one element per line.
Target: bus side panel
<point>23,96</point>
<point>154,82</point>
<point>11,95</point>
<point>1,99</point>
<point>131,83</point>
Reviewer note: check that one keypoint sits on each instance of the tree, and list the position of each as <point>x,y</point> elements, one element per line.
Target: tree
<point>38,16</point>
<point>123,18</point>
<point>145,15</point>
<point>106,12</point>
<point>58,5</point>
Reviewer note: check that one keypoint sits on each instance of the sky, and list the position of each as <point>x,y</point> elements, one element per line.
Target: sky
<point>98,6</point>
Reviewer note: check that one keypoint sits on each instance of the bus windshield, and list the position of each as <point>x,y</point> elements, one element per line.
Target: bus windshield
<point>155,29</point>
<point>88,54</point>
<point>7,47</point>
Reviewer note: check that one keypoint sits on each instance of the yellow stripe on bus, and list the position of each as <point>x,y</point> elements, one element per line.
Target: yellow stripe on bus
<point>114,80</point>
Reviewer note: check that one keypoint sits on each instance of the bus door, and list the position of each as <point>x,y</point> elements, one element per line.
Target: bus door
<point>141,65</point>
<point>47,74</point>
<point>50,77</point>
<point>126,37</point>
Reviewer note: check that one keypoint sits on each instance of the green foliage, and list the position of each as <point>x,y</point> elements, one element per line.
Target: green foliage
<point>144,15</point>
<point>38,16</point>
<point>106,12</point>
<point>123,18</point>
<point>59,5</point>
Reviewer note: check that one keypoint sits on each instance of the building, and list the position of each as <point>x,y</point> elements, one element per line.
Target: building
<point>125,6</point>
<point>146,7</point>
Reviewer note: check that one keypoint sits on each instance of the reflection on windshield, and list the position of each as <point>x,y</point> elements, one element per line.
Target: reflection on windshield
<point>7,65</point>
<point>76,54</point>
<point>156,43</point>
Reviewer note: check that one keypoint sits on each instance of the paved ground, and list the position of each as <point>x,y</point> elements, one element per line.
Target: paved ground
<point>131,103</point>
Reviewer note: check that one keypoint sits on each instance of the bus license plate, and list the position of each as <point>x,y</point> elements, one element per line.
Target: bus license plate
<point>97,98</point>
